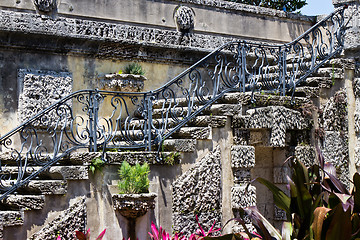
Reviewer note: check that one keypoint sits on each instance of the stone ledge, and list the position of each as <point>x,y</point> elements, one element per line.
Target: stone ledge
<point>193,133</point>
<point>47,186</point>
<point>11,218</point>
<point>26,202</point>
<point>180,145</point>
<point>118,157</point>
<point>114,32</point>
<point>248,8</point>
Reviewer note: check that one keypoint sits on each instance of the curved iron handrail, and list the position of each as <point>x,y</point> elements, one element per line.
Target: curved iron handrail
<point>97,120</point>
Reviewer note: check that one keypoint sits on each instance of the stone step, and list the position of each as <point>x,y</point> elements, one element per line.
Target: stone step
<point>178,145</point>
<point>6,158</point>
<point>26,202</point>
<point>200,133</point>
<point>46,187</point>
<point>183,133</point>
<point>11,218</point>
<point>329,72</point>
<point>54,172</point>
<point>215,109</point>
<point>311,92</point>
<point>131,157</point>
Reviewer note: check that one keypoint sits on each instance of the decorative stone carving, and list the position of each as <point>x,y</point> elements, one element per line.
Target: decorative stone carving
<point>45,5</point>
<point>242,156</point>
<point>279,214</point>
<point>242,176</point>
<point>243,196</point>
<point>276,118</point>
<point>70,220</point>
<point>184,18</point>
<point>123,82</point>
<point>39,90</point>
<point>198,190</point>
<point>105,32</point>
<point>133,206</point>
<point>241,136</point>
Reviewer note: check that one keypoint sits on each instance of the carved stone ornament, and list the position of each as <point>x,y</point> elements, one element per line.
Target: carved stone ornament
<point>184,18</point>
<point>45,5</point>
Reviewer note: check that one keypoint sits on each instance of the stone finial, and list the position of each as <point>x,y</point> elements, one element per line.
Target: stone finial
<point>184,18</point>
<point>45,5</point>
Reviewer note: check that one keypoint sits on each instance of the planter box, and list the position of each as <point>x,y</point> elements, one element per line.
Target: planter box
<point>123,82</point>
<point>133,205</point>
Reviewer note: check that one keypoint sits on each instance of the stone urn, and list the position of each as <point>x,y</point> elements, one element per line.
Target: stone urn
<point>132,206</point>
<point>122,82</point>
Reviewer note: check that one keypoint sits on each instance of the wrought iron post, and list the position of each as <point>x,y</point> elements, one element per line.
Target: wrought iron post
<point>243,66</point>
<point>282,69</point>
<point>93,119</point>
<point>148,116</point>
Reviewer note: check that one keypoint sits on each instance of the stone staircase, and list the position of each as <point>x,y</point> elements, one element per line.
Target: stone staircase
<point>54,181</point>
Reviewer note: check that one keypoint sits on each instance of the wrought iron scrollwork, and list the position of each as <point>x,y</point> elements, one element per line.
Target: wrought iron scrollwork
<point>97,120</point>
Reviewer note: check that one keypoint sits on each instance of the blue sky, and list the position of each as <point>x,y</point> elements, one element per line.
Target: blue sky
<point>317,7</point>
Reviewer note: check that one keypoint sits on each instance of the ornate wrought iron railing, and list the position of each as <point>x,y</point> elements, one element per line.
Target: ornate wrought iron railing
<point>97,120</point>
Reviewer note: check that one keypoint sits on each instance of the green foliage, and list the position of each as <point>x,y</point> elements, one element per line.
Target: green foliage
<point>289,5</point>
<point>96,164</point>
<point>319,206</point>
<point>170,158</point>
<point>134,68</point>
<point>133,179</point>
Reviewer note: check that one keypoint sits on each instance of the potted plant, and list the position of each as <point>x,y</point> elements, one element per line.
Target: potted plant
<point>134,199</point>
<point>130,80</point>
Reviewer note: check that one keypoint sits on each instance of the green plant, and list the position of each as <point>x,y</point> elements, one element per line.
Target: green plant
<point>170,158</point>
<point>133,179</point>
<point>161,234</point>
<point>96,164</point>
<point>319,206</point>
<point>134,68</point>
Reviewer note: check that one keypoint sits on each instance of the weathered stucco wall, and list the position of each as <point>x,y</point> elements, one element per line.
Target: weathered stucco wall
<point>226,18</point>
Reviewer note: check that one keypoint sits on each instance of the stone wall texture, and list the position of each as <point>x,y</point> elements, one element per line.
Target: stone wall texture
<point>198,192</point>
<point>71,220</point>
<point>41,89</point>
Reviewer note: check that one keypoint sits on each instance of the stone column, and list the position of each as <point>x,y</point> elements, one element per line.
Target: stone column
<point>352,35</point>
<point>352,59</point>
